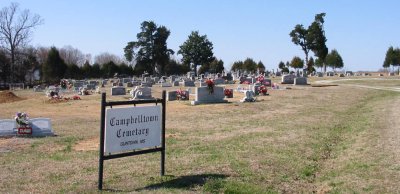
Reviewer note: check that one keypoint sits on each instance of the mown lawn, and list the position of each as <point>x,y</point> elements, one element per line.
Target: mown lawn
<point>298,140</point>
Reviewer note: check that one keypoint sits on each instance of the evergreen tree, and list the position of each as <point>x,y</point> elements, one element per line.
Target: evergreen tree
<point>54,68</point>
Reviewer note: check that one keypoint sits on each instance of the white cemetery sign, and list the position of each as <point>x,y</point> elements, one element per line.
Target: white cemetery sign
<point>132,128</point>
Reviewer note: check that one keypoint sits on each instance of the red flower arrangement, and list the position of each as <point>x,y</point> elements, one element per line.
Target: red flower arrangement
<point>181,95</point>
<point>228,93</point>
<point>260,79</point>
<point>262,90</point>
<point>210,85</point>
<point>246,82</point>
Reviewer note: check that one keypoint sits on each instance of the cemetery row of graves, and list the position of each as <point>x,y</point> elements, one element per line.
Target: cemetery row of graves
<point>250,133</point>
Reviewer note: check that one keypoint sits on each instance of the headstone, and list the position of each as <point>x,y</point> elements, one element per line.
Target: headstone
<point>249,97</point>
<point>278,73</point>
<point>267,82</point>
<point>175,83</point>
<point>78,84</point>
<point>348,73</point>
<point>147,79</point>
<point>203,95</point>
<point>126,80</point>
<point>188,83</point>
<point>391,74</point>
<point>166,84</point>
<point>147,84</point>
<point>255,88</point>
<point>171,95</point>
<point>129,84</point>
<point>219,81</point>
<point>300,81</point>
<point>341,75</point>
<point>288,79</point>
<point>90,86</point>
<point>136,83</point>
<point>140,93</point>
<point>319,74</point>
<point>8,127</point>
<point>155,79</point>
<point>93,82</point>
<point>330,73</point>
<point>118,90</point>
<point>41,127</point>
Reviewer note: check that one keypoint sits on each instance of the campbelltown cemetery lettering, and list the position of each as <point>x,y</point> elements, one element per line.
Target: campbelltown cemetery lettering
<point>132,128</point>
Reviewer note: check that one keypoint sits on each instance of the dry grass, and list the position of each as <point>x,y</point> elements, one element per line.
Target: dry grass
<point>327,139</point>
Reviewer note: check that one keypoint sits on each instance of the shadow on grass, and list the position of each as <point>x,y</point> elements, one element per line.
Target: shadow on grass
<point>182,182</point>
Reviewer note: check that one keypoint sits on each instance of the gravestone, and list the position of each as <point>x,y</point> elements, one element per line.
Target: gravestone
<point>219,81</point>
<point>129,84</point>
<point>255,88</point>
<point>391,74</point>
<point>267,82</point>
<point>320,74</point>
<point>155,79</point>
<point>330,73</point>
<point>78,84</point>
<point>93,82</point>
<point>248,97</point>
<point>348,73</point>
<point>171,95</point>
<point>288,79</point>
<point>203,95</point>
<point>8,127</point>
<point>166,84</point>
<point>136,83</point>
<point>41,127</point>
<point>202,84</point>
<point>146,84</point>
<point>126,80</point>
<point>278,73</point>
<point>341,75</point>
<point>175,83</point>
<point>90,86</point>
<point>300,81</point>
<point>188,83</point>
<point>140,93</point>
<point>147,79</point>
<point>118,90</point>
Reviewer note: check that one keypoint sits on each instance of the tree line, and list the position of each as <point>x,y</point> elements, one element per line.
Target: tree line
<point>149,53</point>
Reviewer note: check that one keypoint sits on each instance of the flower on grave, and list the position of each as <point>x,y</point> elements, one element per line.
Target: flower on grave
<point>210,85</point>
<point>262,90</point>
<point>22,119</point>
<point>246,82</point>
<point>181,94</point>
<point>228,92</point>
<point>260,79</point>
<point>76,97</point>
<point>64,84</point>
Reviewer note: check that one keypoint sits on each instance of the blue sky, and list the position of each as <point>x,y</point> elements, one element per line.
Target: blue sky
<point>361,30</point>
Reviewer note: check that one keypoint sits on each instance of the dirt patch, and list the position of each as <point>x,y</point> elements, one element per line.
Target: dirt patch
<point>87,145</point>
<point>6,97</point>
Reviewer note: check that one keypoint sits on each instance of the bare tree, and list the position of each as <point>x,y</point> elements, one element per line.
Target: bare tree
<point>16,29</point>
<point>106,57</point>
<point>71,55</point>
